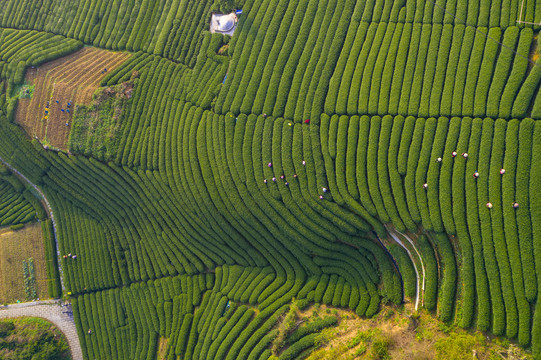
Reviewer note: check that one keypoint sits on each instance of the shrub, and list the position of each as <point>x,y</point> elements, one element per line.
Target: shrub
<point>462,71</point>
<point>491,266</point>
<point>295,349</point>
<point>495,194</point>
<point>433,174</point>
<point>394,175</point>
<point>503,64</point>
<point>435,53</point>
<point>311,327</point>
<point>418,76</point>
<point>372,154</point>
<point>452,68</point>
<point>516,77</point>
<point>535,208</point>
<point>406,269</point>
<point>399,70</point>
<point>486,73</point>
<point>459,204</point>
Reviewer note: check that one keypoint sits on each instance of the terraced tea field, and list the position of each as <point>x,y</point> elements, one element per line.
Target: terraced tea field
<point>357,154</point>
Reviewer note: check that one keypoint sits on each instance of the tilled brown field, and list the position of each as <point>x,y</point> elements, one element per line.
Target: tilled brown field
<point>72,78</point>
<point>16,246</point>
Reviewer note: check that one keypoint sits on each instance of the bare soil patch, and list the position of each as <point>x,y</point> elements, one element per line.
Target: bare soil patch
<point>73,78</point>
<point>16,246</point>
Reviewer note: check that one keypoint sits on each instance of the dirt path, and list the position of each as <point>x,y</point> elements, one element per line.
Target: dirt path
<point>54,311</point>
<point>49,210</point>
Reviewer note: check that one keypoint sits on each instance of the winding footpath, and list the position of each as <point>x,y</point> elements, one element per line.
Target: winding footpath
<point>49,210</point>
<point>394,236</point>
<point>53,311</point>
<point>420,259</point>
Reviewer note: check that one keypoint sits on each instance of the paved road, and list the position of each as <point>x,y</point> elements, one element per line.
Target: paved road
<point>49,210</point>
<point>51,310</point>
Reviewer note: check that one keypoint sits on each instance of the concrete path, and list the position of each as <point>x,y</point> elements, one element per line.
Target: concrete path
<point>397,240</point>
<point>53,311</point>
<point>420,259</point>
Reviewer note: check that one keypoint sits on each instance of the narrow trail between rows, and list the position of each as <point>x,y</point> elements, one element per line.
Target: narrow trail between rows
<point>399,242</point>
<point>420,258</point>
<point>49,210</point>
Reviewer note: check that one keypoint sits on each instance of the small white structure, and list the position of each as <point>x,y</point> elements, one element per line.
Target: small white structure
<point>224,23</point>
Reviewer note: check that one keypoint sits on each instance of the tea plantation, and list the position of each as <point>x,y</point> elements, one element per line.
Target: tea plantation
<point>352,153</point>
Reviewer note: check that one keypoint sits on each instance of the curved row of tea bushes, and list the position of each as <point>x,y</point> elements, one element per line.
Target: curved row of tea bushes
<point>207,76</point>
<point>125,323</point>
<point>16,205</point>
<point>21,49</point>
<point>170,29</point>
<point>426,80</point>
<point>54,288</point>
<point>211,169</point>
<point>125,71</point>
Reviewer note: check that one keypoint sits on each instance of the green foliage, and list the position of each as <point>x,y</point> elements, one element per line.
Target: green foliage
<point>26,338</point>
<point>457,346</point>
<point>380,348</point>
<point>406,270</point>
<point>224,5</point>
<point>29,279</point>
<point>311,327</point>
<point>170,205</point>
<point>304,343</point>
<point>17,206</point>
<point>431,268</point>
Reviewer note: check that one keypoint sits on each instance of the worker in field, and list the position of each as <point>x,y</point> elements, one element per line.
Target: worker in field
<point>58,102</point>
<point>63,110</point>
<point>68,110</point>
<point>69,103</point>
